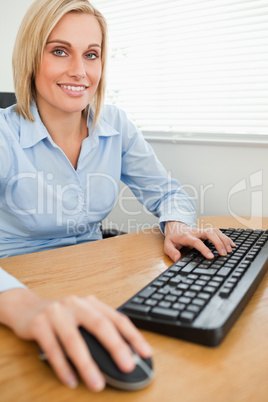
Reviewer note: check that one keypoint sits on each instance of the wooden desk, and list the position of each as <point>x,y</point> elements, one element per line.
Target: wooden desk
<point>113,270</point>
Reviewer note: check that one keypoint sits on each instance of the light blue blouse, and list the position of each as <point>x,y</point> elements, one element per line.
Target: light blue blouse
<point>46,203</point>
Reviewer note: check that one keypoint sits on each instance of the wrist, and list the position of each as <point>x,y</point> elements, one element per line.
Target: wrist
<point>12,303</point>
<point>172,227</point>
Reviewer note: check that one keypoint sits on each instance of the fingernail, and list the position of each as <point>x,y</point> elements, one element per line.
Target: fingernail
<point>128,362</point>
<point>210,255</point>
<point>176,257</point>
<point>146,349</point>
<point>71,381</point>
<point>223,251</point>
<point>96,382</point>
<point>229,249</point>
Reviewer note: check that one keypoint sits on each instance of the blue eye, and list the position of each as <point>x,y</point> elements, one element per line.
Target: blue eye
<point>91,56</point>
<point>59,52</point>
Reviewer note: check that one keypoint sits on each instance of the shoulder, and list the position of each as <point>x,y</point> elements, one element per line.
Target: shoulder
<point>132,138</point>
<point>9,123</point>
<point>120,121</point>
<point>113,115</point>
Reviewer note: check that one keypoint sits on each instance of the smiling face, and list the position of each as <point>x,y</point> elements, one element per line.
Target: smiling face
<point>70,69</point>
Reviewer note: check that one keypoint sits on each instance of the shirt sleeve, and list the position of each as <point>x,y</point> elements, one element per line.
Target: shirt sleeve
<point>8,282</point>
<point>143,173</point>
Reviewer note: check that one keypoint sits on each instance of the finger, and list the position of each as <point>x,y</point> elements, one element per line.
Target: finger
<point>125,327</point>
<point>171,250</point>
<point>228,242</point>
<point>222,243</point>
<point>75,347</point>
<point>47,340</point>
<point>200,246</point>
<point>101,326</point>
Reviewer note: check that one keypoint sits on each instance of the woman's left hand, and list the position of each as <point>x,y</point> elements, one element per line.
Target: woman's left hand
<point>178,234</point>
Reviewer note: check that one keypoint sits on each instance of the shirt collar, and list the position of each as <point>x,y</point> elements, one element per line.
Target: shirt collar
<point>33,132</point>
<point>103,128</point>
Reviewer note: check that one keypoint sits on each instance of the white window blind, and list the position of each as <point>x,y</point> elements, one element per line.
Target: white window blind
<point>190,66</point>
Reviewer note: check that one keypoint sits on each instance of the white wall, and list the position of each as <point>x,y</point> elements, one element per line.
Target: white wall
<point>210,172</point>
<point>11,14</point>
<point>223,179</point>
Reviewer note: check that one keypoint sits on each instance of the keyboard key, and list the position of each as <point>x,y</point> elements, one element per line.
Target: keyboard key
<point>214,284</point>
<point>147,292</point>
<point>171,298</point>
<point>175,269</point>
<point>188,281</point>
<point>209,289</point>
<point>139,308</point>
<point>187,316</point>
<point>192,276</point>
<point>164,304</point>
<point>165,279</point>
<point>199,302</point>
<point>218,278</point>
<point>250,257</point>
<point>188,268</point>
<point>157,296</point>
<point>205,278</point>
<point>230,265</point>
<point>244,265</point>
<point>179,306</point>
<point>190,294</point>
<point>232,280</point>
<point>237,274</point>
<point>202,271</point>
<point>169,314</point>
<point>193,308</point>
<point>175,281</point>
<point>224,271</point>
<point>196,288</point>
<point>163,291</point>
<point>176,292</point>
<point>225,292</point>
<point>181,264</point>
<point>183,286</point>
<point>158,284</point>
<point>201,282</point>
<point>151,302</point>
<point>185,300</point>
<point>204,296</point>
<point>138,300</point>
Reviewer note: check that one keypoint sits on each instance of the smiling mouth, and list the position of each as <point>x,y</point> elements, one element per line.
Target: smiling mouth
<point>74,88</point>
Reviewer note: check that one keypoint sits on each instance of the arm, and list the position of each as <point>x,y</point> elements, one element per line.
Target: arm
<point>143,173</point>
<point>164,197</point>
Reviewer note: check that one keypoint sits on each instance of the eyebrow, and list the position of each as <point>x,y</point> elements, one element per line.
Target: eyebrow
<point>69,44</point>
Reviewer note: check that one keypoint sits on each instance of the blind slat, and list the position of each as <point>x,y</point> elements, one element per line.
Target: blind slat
<point>192,65</point>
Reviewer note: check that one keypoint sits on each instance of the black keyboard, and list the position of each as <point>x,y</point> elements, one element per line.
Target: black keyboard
<point>197,299</point>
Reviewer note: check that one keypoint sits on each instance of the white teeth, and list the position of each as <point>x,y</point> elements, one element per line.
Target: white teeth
<point>77,89</point>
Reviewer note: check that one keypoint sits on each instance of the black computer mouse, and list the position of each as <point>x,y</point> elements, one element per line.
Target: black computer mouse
<point>139,378</point>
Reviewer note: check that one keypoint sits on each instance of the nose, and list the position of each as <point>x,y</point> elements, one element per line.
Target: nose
<point>77,68</point>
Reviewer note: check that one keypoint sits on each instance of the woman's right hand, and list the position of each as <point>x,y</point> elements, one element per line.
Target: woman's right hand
<point>52,323</point>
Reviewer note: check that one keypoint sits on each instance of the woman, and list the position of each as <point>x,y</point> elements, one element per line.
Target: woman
<point>62,156</point>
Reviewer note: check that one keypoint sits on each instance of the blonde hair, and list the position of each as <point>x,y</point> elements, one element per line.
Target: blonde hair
<point>36,26</point>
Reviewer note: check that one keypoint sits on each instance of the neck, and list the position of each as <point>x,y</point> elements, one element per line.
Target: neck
<point>67,130</point>
<point>64,126</point>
